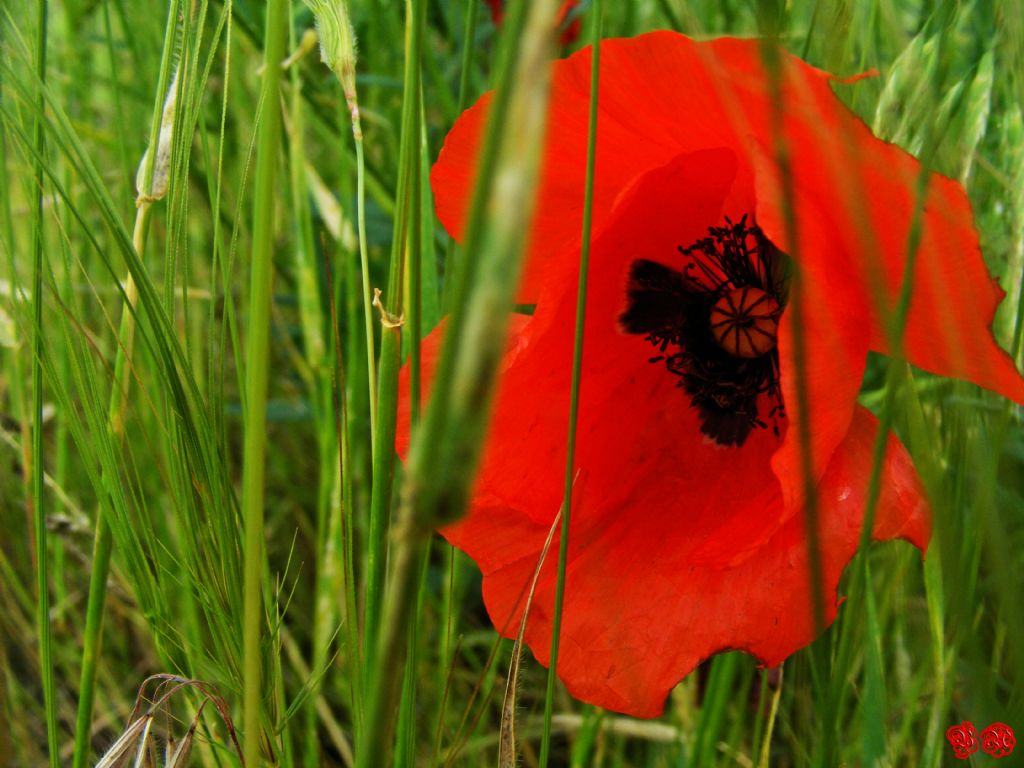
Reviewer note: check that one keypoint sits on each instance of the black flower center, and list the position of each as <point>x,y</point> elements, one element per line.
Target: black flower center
<point>715,325</point>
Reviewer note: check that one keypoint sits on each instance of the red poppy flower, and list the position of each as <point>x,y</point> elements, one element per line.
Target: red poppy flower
<point>687,531</point>
<point>570,31</point>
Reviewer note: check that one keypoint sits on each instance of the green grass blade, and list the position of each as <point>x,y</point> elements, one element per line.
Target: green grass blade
<point>447,445</point>
<point>256,375</point>
<point>577,368</point>
<point>103,541</point>
<point>404,237</point>
<point>37,468</point>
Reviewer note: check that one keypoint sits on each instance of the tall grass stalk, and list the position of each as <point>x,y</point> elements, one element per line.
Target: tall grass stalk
<point>597,17</point>
<point>393,321</point>
<point>338,51</point>
<point>770,19</point>
<point>447,444</point>
<point>103,542</point>
<point>448,608</point>
<point>364,265</point>
<point>338,45</point>
<point>37,467</point>
<point>256,374</point>
<point>771,55</point>
<point>897,373</point>
<point>119,396</point>
<point>465,70</point>
<point>328,503</point>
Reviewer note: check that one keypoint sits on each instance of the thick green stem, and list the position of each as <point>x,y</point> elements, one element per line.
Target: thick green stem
<point>257,366</point>
<point>450,609</point>
<point>447,445</point>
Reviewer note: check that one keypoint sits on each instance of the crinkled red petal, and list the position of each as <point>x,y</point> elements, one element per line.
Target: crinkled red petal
<point>525,456</point>
<point>642,610</point>
<point>663,506</point>
<point>672,533</point>
<point>854,203</point>
<point>629,143</point>
<point>662,94</point>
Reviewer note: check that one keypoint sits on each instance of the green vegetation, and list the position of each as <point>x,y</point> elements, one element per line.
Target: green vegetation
<point>198,393</point>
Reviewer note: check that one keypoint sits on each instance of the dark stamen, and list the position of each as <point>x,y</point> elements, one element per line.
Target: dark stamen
<point>715,323</point>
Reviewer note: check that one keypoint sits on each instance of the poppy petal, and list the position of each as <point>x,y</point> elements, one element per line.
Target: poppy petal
<point>670,531</point>
<point>430,355</point>
<point>642,611</point>
<point>662,94</point>
<point>631,140</point>
<point>668,206</point>
<point>637,435</point>
<point>835,347</point>
<point>644,464</point>
<point>856,194</point>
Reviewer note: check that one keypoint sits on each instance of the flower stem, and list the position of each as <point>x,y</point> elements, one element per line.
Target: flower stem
<point>577,368</point>
<point>257,354</point>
